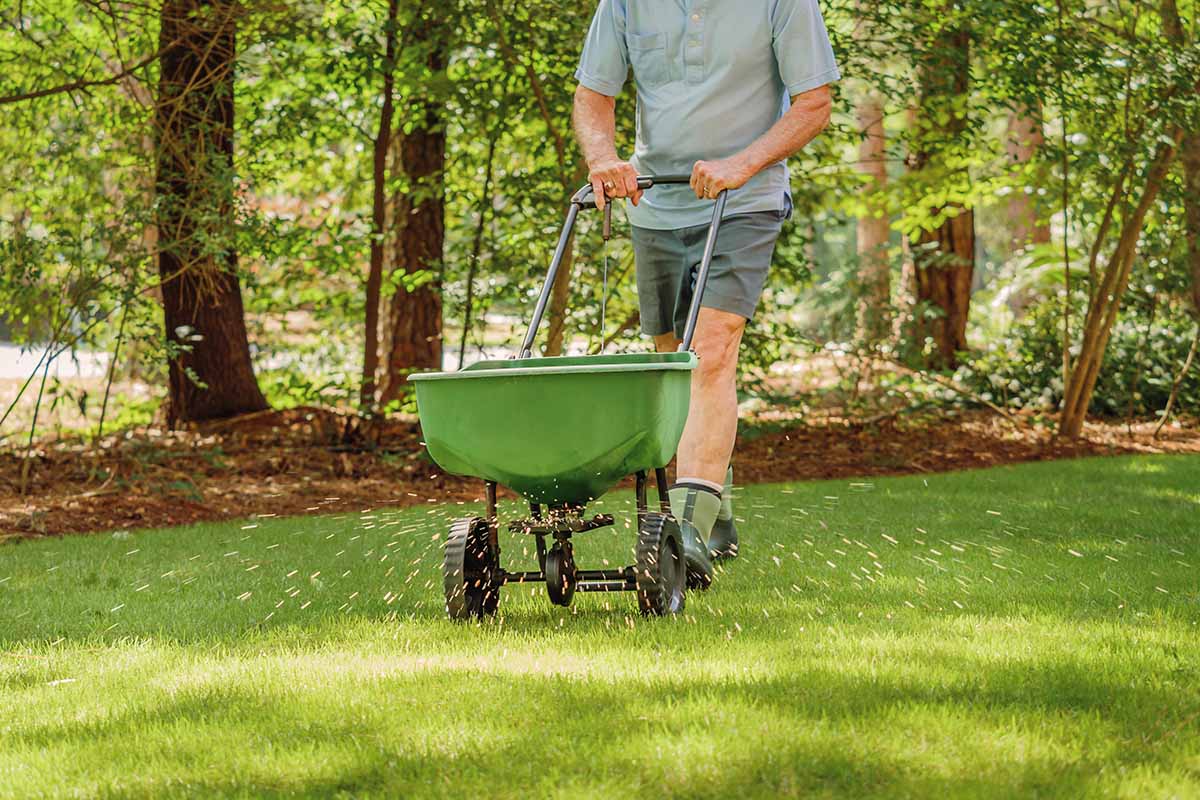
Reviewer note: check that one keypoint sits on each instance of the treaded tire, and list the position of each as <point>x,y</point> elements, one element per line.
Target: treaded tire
<point>661,570</point>
<point>470,571</point>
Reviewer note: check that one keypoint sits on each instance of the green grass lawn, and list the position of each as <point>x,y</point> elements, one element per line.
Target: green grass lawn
<point>1025,631</point>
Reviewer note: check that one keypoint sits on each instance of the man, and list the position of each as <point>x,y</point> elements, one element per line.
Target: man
<point>726,90</point>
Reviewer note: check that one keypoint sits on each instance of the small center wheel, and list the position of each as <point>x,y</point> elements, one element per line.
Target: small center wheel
<point>561,578</point>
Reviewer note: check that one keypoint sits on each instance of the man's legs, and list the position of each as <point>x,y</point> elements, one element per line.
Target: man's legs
<point>707,442</point>
<point>667,261</point>
<point>708,438</point>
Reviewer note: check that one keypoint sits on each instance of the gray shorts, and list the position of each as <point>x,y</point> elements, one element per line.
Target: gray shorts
<point>742,259</point>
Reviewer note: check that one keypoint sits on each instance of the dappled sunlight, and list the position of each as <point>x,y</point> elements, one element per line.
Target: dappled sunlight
<point>1138,467</point>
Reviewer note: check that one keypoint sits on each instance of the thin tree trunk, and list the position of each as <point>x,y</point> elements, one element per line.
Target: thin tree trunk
<point>414,328</point>
<point>379,174</point>
<point>1178,382</point>
<point>1191,207</point>
<point>874,230</point>
<point>1106,299</point>
<point>210,373</point>
<point>946,260</point>
<point>904,324</point>
<point>944,276</point>
<point>559,297</point>
<point>1024,140</point>
<point>1190,153</point>
<point>485,205</point>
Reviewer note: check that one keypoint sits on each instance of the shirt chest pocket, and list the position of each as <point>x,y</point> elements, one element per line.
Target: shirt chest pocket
<point>648,57</point>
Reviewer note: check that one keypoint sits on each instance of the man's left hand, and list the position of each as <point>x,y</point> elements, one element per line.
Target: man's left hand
<point>710,178</point>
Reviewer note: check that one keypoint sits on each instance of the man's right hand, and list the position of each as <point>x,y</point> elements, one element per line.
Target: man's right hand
<point>614,178</point>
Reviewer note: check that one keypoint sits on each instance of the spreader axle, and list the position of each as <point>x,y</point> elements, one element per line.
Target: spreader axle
<point>624,577</point>
<point>558,524</point>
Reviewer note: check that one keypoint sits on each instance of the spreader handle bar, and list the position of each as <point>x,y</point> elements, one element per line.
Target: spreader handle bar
<point>689,330</point>
<point>539,310</point>
<point>586,198</point>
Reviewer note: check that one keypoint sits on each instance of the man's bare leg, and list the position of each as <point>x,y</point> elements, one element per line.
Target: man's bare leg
<point>708,438</point>
<point>707,442</point>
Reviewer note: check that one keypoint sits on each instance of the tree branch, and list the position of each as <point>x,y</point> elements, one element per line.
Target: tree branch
<point>81,83</point>
<point>539,93</point>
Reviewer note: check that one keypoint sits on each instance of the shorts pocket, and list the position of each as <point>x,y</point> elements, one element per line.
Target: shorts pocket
<point>786,212</point>
<point>648,56</point>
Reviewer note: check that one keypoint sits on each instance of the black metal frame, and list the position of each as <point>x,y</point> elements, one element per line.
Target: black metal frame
<point>561,524</point>
<point>586,198</point>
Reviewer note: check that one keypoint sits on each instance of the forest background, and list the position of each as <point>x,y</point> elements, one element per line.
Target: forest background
<point>210,210</point>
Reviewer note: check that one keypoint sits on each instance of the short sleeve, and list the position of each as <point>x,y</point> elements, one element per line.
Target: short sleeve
<point>604,65</point>
<point>802,48</point>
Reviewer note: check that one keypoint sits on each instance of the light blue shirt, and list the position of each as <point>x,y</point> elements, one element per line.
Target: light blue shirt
<point>712,77</point>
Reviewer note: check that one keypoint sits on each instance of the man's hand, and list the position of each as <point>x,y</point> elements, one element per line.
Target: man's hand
<point>595,126</point>
<point>614,178</point>
<point>710,178</point>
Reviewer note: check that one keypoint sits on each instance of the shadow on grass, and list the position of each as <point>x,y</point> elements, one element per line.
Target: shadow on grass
<point>816,731</point>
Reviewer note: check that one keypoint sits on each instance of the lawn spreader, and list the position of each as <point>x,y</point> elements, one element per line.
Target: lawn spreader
<point>562,431</point>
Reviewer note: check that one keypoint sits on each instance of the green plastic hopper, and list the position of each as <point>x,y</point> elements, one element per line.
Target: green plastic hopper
<point>557,430</point>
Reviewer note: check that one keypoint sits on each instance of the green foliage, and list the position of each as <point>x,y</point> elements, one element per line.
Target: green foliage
<point>77,245</point>
<point>290,388</point>
<point>1022,368</point>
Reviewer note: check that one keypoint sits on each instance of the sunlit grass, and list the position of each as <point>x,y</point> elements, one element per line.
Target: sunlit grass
<point>1026,631</point>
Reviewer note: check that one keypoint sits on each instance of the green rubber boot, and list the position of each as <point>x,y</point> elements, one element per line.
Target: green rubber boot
<point>723,543</point>
<point>696,509</point>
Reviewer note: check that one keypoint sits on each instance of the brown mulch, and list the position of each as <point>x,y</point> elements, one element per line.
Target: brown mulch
<point>315,460</point>
<point>970,441</point>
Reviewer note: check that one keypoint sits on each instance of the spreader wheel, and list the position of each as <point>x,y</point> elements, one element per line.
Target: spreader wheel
<point>661,570</point>
<point>471,571</point>
<point>561,578</point>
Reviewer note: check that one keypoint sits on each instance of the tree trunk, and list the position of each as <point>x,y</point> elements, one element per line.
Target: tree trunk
<point>1106,298</point>
<point>904,327</point>
<point>487,200</point>
<point>210,374</point>
<point>414,328</point>
<point>1024,139</point>
<point>945,270</point>
<point>946,262</point>
<point>904,324</point>
<point>560,297</point>
<point>1190,152</point>
<point>379,175</point>
<point>1191,207</point>
<point>874,230</point>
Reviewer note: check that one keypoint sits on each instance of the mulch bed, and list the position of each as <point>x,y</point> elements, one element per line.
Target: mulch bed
<point>317,460</point>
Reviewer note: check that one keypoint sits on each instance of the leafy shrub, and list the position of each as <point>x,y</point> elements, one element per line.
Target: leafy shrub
<point>1022,368</point>
<point>289,388</point>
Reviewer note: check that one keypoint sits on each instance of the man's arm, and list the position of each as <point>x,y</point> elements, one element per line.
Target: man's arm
<point>595,120</point>
<point>808,116</point>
